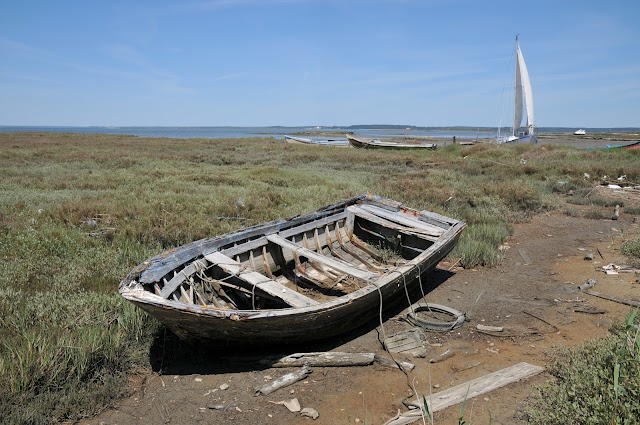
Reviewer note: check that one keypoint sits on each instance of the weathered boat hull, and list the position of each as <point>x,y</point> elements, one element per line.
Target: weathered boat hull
<point>205,324</point>
<point>327,142</point>
<point>377,144</point>
<point>529,139</point>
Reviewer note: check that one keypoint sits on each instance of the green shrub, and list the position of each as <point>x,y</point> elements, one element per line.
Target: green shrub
<point>631,249</point>
<point>597,383</point>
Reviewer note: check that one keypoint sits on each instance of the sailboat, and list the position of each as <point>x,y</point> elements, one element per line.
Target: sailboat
<point>523,104</point>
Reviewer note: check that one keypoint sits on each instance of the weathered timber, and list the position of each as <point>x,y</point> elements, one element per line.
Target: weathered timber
<point>443,356</point>
<point>468,390</point>
<point>481,385</point>
<point>284,381</point>
<point>614,299</point>
<point>269,286</point>
<point>334,263</point>
<point>323,359</point>
<point>359,212</point>
<point>404,219</point>
<point>397,364</point>
<point>489,328</point>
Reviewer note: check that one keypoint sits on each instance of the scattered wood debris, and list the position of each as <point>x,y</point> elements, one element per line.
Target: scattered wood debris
<point>284,381</point>
<point>590,283</point>
<point>323,359</point>
<point>222,407</point>
<point>468,390</point>
<point>411,341</point>
<point>385,361</point>
<point>489,328</point>
<point>443,356</point>
<point>614,299</point>
<point>589,310</point>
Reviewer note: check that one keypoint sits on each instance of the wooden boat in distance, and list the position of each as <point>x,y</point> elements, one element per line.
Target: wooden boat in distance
<point>307,278</point>
<point>324,142</point>
<point>357,142</point>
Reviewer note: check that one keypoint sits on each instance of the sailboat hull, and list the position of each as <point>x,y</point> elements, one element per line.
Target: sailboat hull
<point>529,139</point>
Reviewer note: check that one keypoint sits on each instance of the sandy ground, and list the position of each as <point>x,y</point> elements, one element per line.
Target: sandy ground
<point>533,295</point>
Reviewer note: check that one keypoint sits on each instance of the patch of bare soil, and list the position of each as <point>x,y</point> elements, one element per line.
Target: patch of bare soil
<point>533,295</point>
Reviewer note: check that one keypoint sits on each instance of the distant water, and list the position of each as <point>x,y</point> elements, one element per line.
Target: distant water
<point>240,132</point>
<point>280,132</point>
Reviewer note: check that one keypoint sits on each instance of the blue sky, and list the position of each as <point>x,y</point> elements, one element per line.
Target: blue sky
<point>316,62</point>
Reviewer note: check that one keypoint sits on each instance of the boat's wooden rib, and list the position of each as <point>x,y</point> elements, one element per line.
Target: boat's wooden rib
<point>180,278</point>
<point>229,265</point>
<point>361,255</point>
<point>334,263</point>
<point>404,219</point>
<point>259,242</point>
<point>391,225</point>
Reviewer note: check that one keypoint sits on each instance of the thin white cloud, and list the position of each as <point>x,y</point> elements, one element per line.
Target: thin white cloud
<point>218,4</point>
<point>143,70</point>
<point>234,76</point>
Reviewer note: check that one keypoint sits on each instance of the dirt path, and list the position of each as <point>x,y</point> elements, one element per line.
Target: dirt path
<point>532,295</point>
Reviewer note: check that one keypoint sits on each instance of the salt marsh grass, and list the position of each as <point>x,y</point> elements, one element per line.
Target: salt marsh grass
<point>77,212</point>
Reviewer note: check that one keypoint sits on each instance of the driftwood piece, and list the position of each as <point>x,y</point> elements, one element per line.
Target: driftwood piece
<point>589,310</point>
<point>284,381</point>
<point>468,390</point>
<point>324,359</point>
<point>489,328</point>
<point>443,356</point>
<point>614,299</point>
<point>385,361</point>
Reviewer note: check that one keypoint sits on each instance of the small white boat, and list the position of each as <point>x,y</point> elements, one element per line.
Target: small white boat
<point>580,132</point>
<point>323,142</point>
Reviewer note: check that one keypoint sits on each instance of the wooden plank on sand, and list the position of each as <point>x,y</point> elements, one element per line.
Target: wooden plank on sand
<point>468,390</point>
<point>482,385</point>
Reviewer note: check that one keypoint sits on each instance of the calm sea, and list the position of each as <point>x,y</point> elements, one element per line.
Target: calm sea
<point>280,132</point>
<point>239,132</point>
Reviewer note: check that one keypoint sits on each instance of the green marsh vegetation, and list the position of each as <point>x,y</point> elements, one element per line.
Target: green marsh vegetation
<point>77,212</point>
<point>597,383</point>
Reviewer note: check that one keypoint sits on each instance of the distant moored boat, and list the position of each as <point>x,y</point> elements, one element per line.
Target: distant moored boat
<point>580,132</point>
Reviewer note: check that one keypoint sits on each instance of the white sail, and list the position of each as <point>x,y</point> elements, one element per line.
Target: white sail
<point>523,102</point>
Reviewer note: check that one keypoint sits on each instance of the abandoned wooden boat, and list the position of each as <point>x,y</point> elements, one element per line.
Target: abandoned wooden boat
<point>321,142</point>
<point>307,278</point>
<point>357,142</point>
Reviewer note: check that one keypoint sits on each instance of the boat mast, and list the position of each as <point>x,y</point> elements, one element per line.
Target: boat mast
<point>515,91</point>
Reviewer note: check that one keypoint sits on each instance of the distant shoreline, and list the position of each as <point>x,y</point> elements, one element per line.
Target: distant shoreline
<point>373,131</point>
